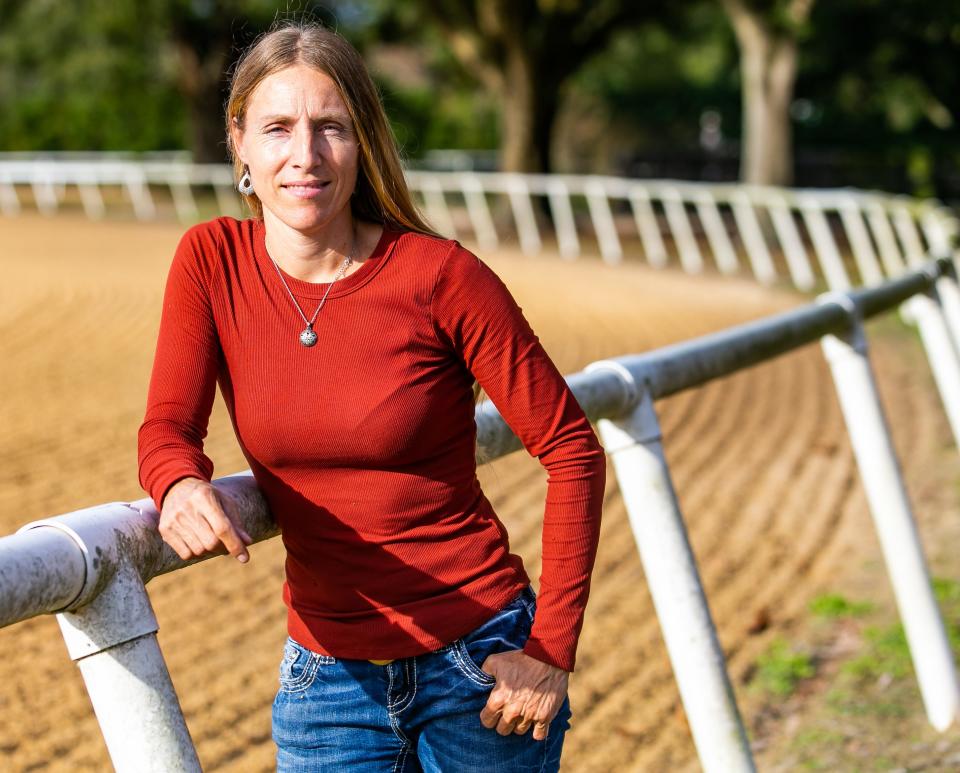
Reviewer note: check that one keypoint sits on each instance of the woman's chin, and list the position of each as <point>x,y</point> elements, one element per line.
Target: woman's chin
<point>306,219</point>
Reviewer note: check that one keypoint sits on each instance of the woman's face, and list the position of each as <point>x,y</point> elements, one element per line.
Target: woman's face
<point>299,143</point>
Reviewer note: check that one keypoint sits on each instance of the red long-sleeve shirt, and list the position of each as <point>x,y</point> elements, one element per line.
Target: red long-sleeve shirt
<point>364,445</point>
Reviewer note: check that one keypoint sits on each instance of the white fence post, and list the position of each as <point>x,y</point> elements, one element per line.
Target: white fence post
<point>908,234</point>
<point>633,443</point>
<point>564,224</point>
<point>9,201</point>
<point>716,231</point>
<point>856,230</point>
<point>647,226</point>
<point>603,223</point>
<point>90,196</point>
<point>113,639</point>
<point>789,237</point>
<point>883,234</point>
<point>949,293</point>
<point>941,349</point>
<point>478,211</point>
<point>823,244</point>
<point>890,507</point>
<point>135,184</point>
<point>44,190</point>
<point>752,236</point>
<point>518,192</point>
<point>934,226</point>
<point>687,248</point>
<point>438,213</point>
<point>183,201</point>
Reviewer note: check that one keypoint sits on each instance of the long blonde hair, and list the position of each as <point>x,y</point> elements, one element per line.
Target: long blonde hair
<point>381,194</point>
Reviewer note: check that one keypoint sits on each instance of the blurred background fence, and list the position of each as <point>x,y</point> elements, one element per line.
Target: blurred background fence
<point>839,238</point>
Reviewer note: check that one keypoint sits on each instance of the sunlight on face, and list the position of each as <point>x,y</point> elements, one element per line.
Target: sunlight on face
<point>299,144</point>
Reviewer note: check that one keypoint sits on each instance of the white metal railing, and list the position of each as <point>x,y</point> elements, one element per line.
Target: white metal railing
<point>798,235</point>
<point>89,567</point>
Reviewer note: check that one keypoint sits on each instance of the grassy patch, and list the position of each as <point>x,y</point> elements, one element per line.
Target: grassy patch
<point>808,743</point>
<point>947,591</point>
<point>886,654</point>
<point>833,605</point>
<point>781,668</point>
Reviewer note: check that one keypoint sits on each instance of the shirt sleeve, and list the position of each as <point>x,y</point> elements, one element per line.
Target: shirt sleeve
<point>183,381</point>
<point>476,314</point>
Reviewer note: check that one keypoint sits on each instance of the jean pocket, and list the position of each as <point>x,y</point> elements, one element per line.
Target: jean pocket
<point>299,666</point>
<point>507,630</point>
<point>469,667</point>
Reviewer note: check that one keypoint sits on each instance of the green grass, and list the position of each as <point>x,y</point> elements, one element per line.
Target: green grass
<point>869,715</point>
<point>781,668</point>
<point>833,605</point>
<point>885,652</point>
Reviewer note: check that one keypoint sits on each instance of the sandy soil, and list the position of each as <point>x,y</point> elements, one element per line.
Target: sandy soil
<point>763,468</point>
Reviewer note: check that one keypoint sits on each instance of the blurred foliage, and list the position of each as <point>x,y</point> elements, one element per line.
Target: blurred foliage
<point>87,76</point>
<point>444,107</point>
<point>522,52</point>
<point>877,83</point>
<point>111,75</point>
<point>660,79</point>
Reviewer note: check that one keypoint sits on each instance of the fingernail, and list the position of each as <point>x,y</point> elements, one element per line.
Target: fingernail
<point>243,558</point>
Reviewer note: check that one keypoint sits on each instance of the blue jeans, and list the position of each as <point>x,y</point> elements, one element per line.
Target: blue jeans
<point>420,713</point>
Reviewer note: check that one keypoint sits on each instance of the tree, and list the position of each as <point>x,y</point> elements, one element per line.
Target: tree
<point>880,81</point>
<point>107,74</point>
<point>768,33</point>
<point>207,38</point>
<point>525,51</point>
<point>84,77</point>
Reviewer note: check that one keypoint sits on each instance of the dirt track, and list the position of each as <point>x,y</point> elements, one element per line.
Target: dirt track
<point>761,462</point>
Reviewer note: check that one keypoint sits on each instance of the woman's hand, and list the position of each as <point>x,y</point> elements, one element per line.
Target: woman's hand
<point>528,692</point>
<point>198,519</point>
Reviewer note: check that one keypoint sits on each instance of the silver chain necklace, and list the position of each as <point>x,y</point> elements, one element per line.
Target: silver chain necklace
<point>308,337</point>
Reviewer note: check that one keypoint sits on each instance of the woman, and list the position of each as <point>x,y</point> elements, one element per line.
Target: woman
<point>346,337</point>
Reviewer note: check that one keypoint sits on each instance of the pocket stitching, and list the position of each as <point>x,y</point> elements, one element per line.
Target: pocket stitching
<point>468,666</point>
<point>309,673</point>
<point>303,681</point>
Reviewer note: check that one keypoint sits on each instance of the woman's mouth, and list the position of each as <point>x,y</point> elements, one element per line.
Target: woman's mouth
<point>305,190</point>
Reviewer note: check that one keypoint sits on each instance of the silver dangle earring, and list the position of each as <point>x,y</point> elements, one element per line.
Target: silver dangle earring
<point>245,186</point>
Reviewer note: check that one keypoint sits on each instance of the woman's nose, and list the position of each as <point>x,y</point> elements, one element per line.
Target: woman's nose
<point>305,151</point>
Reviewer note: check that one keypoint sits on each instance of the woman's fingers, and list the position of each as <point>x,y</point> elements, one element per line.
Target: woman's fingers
<point>528,693</point>
<point>178,545</point>
<point>522,727</point>
<point>227,534</point>
<point>195,521</point>
<point>231,534</point>
<point>541,730</point>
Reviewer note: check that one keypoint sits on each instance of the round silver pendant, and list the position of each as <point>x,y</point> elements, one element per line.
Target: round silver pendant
<point>308,337</point>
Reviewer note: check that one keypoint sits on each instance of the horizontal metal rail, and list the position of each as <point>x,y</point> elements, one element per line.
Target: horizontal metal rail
<point>671,369</point>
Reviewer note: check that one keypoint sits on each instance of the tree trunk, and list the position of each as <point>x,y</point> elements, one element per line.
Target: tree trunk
<point>201,82</point>
<point>516,122</point>
<point>207,132</point>
<point>768,68</point>
<point>529,113</point>
<point>523,51</point>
